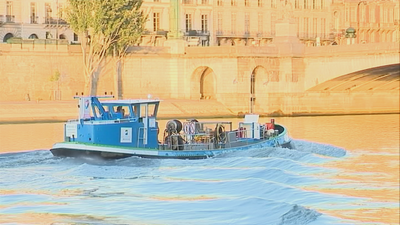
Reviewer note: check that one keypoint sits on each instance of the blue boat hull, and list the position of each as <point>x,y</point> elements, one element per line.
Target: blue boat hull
<point>75,149</point>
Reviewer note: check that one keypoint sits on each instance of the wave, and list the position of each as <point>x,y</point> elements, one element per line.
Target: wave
<point>299,215</point>
<point>319,148</point>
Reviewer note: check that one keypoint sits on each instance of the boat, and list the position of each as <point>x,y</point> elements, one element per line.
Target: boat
<point>112,129</point>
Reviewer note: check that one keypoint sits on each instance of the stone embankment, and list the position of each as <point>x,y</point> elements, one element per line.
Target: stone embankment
<point>311,105</point>
<point>56,111</point>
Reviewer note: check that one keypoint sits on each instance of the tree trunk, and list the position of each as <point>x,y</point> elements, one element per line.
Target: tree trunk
<point>118,78</point>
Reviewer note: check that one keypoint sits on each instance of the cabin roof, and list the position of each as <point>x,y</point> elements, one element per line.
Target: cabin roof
<point>130,101</point>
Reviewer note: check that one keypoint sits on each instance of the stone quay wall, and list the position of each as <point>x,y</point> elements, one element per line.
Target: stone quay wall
<point>282,78</point>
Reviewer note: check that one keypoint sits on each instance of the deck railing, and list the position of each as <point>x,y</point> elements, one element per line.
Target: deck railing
<point>197,136</point>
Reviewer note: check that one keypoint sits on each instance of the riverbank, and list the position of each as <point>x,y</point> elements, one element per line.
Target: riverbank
<point>61,111</point>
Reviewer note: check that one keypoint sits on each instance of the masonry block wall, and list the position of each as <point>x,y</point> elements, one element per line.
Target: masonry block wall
<point>223,74</point>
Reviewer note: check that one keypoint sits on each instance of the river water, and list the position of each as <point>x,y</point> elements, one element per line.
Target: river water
<point>345,170</point>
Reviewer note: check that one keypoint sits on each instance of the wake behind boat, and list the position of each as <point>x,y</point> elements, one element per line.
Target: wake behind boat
<point>124,128</point>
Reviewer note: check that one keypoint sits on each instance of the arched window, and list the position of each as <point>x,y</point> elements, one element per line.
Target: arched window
<point>62,36</point>
<point>33,36</point>
<point>8,36</point>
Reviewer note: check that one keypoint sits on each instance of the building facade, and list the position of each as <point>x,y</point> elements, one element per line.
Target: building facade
<point>220,22</point>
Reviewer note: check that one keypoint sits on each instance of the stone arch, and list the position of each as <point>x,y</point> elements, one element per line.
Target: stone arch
<point>259,80</point>
<point>8,36</point>
<point>62,36</point>
<point>33,36</point>
<point>203,83</point>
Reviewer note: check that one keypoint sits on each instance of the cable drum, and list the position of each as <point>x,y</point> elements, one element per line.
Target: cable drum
<point>174,126</point>
<point>220,136</point>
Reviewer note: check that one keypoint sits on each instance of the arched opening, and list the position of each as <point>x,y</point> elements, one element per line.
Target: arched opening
<point>33,36</point>
<point>7,36</point>
<point>62,36</point>
<point>252,90</point>
<point>258,83</point>
<point>207,84</point>
<point>203,84</point>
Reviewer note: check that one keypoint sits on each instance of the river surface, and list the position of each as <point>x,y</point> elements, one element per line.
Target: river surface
<point>344,170</point>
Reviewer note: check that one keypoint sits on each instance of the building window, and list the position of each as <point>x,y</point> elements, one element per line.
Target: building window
<point>362,14</point>
<point>385,15</point>
<point>233,23</point>
<point>314,4</point>
<point>156,0</point>
<point>204,2</point>
<point>246,3</point>
<point>247,23</point>
<point>9,12</point>
<point>296,4</point>
<point>315,28</point>
<point>60,10</point>
<point>219,2</point>
<point>372,15</point>
<point>305,4</point>
<point>322,4</point>
<point>260,23</point>
<point>347,11</point>
<point>273,3</point>
<point>306,31</point>
<point>188,22</point>
<point>233,3</point>
<point>76,37</point>
<point>187,1</point>
<point>47,16</point>
<point>322,31</point>
<point>260,3</point>
<point>219,24</point>
<point>156,21</point>
<point>204,23</point>
<point>33,13</point>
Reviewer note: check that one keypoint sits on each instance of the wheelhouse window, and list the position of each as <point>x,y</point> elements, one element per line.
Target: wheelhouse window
<point>122,111</point>
<point>151,108</point>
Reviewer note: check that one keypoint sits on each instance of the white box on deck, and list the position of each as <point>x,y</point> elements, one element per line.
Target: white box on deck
<point>252,126</point>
